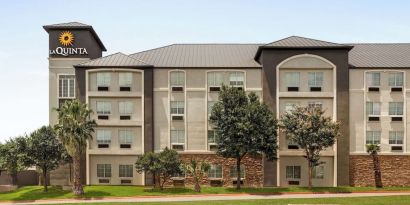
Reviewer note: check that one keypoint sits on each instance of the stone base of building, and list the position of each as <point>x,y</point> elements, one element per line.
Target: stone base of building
<point>395,170</point>
<point>253,170</point>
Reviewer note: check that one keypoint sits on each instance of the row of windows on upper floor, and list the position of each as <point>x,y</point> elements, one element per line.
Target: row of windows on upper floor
<point>125,108</point>
<point>373,111</point>
<point>315,81</point>
<point>395,139</point>
<point>125,139</point>
<point>373,81</point>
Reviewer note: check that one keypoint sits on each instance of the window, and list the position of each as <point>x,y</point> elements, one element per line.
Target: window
<point>66,86</point>
<point>396,79</point>
<point>104,170</point>
<point>215,79</point>
<point>103,79</point>
<point>103,108</point>
<point>177,107</point>
<point>292,79</point>
<point>125,79</point>
<point>233,172</point>
<point>211,136</point>
<point>318,172</point>
<point>125,138</point>
<point>289,106</point>
<point>395,137</point>
<point>395,108</point>
<point>291,143</point>
<point>293,172</point>
<point>373,137</point>
<point>125,108</point>
<point>373,108</point>
<point>236,79</point>
<point>177,78</point>
<point>177,136</point>
<point>210,105</point>
<point>312,105</point>
<point>126,170</point>
<point>315,79</point>
<point>215,171</point>
<point>103,136</point>
<point>373,79</point>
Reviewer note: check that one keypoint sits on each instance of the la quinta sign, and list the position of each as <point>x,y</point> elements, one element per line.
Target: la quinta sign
<point>66,39</point>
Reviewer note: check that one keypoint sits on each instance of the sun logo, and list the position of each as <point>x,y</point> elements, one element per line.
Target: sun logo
<point>66,38</point>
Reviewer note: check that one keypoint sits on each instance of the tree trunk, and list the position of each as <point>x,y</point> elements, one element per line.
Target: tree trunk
<point>45,179</point>
<point>197,186</point>
<point>157,183</point>
<point>238,173</point>
<point>310,174</point>
<point>14,178</point>
<point>77,186</point>
<point>377,171</point>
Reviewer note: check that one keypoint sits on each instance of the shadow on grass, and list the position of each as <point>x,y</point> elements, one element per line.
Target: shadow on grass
<point>31,194</point>
<point>169,191</point>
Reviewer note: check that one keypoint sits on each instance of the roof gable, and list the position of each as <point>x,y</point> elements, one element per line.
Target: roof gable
<point>114,60</point>
<point>297,41</point>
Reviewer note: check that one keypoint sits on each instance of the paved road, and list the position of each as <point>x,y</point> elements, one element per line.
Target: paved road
<point>204,198</point>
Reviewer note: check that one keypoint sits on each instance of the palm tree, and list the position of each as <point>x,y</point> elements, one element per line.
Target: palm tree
<point>74,129</point>
<point>197,170</point>
<point>373,150</point>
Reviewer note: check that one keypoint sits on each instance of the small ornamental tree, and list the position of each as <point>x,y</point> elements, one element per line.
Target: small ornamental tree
<point>45,151</point>
<point>311,131</point>
<point>197,170</point>
<point>373,150</point>
<point>243,126</point>
<point>13,156</point>
<point>162,165</point>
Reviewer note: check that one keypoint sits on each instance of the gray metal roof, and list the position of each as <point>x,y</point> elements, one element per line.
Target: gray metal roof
<point>201,55</point>
<point>297,41</point>
<point>114,60</point>
<point>68,24</point>
<point>380,55</point>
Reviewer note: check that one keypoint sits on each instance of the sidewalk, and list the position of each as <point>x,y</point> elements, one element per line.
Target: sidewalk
<point>209,197</point>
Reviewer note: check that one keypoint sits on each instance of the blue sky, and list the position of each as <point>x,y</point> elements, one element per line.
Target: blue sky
<point>131,26</point>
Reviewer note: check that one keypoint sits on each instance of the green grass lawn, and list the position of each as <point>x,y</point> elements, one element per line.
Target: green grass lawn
<point>36,192</point>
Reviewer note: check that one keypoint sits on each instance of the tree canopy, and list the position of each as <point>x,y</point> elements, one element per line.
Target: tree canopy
<point>13,156</point>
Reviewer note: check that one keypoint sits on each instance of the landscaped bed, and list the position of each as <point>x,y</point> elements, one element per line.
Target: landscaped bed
<point>36,192</point>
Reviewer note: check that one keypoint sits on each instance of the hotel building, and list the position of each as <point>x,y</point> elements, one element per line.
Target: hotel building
<point>159,98</point>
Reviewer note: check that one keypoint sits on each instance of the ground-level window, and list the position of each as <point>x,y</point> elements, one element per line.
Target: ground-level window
<point>215,171</point>
<point>126,170</point>
<point>66,86</point>
<point>318,172</point>
<point>233,172</point>
<point>211,136</point>
<point>293,172</point>
<point>373,137</point>
<point>104,170</point>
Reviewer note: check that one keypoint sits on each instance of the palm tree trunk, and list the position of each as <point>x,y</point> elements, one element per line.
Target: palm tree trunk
<point>238,173</point>
<point>77,186</point>
<point>197,186</point>
<point>377,171</point>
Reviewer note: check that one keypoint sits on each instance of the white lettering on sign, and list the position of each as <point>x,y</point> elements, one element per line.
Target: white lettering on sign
<point>68,51</point>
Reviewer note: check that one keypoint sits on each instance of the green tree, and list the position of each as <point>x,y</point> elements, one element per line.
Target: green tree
<point>13,156</point>
<point>162,165</point>
<point>243,126</point>
<point>373,150</point>
<point>74,129</point>
<point>311,131</point>
<point>197,170</point>
<point>45,151</point>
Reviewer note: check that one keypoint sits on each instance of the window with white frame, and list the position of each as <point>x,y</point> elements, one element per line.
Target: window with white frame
<point>373,108</point>
<point>104,170</point>
<point>103,136</point>
<point>233,172</point>
<point>373,137</point>
<point>292,79</point>
<point>289,106</point>
<point>103,79</point>
<point>396,79</point>
<point>315,79</point>
<point>125,108</point>
<point>215,79</point>
<point>177,136</point>
<point>317,104</point>
<point>177,107</point>
<point>125,137</point>
<point>103,108</point>
<point>236,79</point>
<point>215,171</point>
<point>211,136</point>
<point>125,79</point>
<point>395,108</point>
<point>177,78</point>
<point>395,137</point>
<point>373,79</point>
<point>293,172</point>
<point>291,142</point>
<point>318,172</point>
<point>126,170</point>
<point>66,86</point>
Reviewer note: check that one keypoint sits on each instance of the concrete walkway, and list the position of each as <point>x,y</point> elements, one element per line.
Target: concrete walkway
<point>210,197</point>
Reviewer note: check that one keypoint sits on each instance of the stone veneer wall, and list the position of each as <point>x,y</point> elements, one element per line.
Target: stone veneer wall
<point>253,169</point>
<point>395,170</point>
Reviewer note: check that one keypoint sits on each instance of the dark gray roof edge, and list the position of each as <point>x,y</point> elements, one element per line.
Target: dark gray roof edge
<point>87,27</point>
<point>83,63</point>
